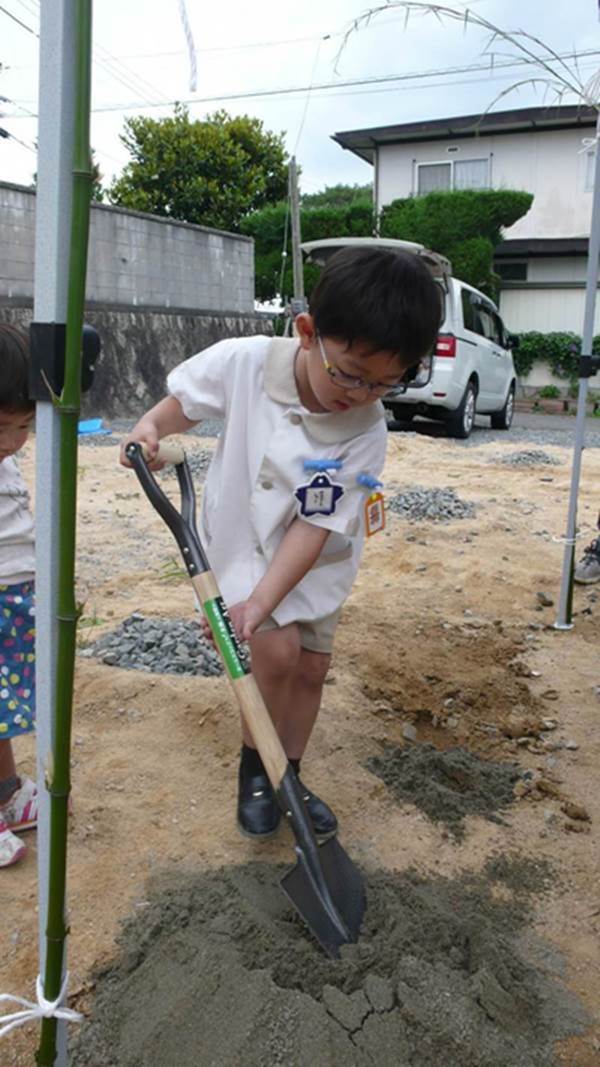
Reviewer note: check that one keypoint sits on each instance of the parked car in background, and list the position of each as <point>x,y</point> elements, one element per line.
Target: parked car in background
<point>471,371</point>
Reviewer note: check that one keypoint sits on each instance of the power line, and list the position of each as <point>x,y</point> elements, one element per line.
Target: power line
<point>18,21</point>
<point>105,60</point>
<point>492,71</point>
<point>490,68</point>
<point>11,137</point>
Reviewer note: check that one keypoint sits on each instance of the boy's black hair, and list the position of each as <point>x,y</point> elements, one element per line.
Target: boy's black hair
<point>389,300</point>
<point>14,369</point>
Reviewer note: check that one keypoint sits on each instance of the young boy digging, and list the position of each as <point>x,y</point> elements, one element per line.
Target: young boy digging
<point>283,515</point>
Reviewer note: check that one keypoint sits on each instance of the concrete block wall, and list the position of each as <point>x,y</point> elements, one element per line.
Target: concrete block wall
<point>136,260</point>
<point>139,348</point>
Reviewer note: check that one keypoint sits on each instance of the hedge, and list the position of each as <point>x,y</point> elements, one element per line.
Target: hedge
<point>463,224</point>
<point>561,350</point>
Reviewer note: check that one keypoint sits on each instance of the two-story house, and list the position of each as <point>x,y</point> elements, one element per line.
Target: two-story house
<point>546,151</point>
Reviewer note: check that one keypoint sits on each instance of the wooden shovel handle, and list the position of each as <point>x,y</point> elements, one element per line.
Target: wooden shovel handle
<point>168,452</point>
<point>251,704</point>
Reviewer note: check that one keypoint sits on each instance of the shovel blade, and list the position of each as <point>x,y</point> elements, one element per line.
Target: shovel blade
<point>330,895</point>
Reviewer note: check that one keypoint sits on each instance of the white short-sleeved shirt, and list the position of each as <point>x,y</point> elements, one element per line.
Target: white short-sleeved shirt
<point>249,498</point>
<point>17,537</point>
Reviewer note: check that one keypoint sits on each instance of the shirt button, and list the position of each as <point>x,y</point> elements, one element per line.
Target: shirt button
<point>267,485</point>
<point>295,419</point>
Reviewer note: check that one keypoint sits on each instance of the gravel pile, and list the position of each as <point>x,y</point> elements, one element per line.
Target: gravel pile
<point>529,457</point>
<point>439,505</point>
<point>161,646</point>
<point>522,435</point>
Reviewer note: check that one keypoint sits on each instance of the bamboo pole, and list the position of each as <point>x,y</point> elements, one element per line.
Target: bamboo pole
<point>58,774</point>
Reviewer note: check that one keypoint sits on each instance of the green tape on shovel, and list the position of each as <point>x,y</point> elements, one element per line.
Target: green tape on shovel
<point>225,639</point>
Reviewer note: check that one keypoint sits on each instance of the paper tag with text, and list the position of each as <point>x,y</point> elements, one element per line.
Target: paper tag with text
<point>374,514</point>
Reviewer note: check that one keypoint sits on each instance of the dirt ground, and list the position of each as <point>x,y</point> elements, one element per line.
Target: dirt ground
<point>444,633</point>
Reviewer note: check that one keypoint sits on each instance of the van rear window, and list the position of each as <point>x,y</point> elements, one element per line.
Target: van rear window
<point>468,311</point>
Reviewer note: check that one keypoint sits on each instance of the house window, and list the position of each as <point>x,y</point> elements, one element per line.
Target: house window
<point>470,173</point>
<point>434,176</point>
<point>455,174</point>
<point>512,272</point>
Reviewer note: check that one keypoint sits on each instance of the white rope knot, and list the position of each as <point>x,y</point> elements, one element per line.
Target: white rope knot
<point>44,1009</point>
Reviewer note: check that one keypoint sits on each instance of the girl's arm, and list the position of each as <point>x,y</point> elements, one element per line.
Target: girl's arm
<point>163,419</point>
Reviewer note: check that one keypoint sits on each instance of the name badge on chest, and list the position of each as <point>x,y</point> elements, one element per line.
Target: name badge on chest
<point>319,496</point>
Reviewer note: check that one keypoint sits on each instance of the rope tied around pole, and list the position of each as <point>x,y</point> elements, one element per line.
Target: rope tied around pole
<point>43,1009</point>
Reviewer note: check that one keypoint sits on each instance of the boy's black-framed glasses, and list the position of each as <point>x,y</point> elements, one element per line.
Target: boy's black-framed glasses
<point>349,382</point>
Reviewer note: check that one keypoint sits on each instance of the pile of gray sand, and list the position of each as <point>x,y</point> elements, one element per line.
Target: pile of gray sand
<point>219,971</point>
<point>448,785</point>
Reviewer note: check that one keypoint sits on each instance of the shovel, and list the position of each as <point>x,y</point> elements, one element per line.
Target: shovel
<point>324,886</point>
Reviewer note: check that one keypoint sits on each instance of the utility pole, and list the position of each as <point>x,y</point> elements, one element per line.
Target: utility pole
<point>298,302</point>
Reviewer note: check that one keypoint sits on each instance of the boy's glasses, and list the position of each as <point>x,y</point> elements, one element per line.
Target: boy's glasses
<point>349,382</point>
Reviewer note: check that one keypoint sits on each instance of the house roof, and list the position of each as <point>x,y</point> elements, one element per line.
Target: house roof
<point>522,120</point>
<point>520,247</point>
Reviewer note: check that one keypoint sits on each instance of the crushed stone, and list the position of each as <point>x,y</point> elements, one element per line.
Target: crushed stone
<point>528,457</point>
<point>438,505</point>
<point>217,969</point>
<point>448,785</point>
<point>158,645</point>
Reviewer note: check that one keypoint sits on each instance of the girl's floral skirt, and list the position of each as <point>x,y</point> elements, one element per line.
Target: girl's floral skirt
<point>17,659</point>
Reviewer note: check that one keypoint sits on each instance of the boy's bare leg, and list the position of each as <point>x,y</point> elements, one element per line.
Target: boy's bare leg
<point>275,657</point>
<point>296,724</point>
<point>290,679</point>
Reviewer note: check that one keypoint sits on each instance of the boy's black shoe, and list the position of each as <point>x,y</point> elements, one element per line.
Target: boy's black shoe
<point>324,821</point>
<point>258,813</point>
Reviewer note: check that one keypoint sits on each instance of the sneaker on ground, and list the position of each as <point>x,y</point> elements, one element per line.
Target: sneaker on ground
<point>12,848</point>
<point>20,813</point>
<point>587,570</point>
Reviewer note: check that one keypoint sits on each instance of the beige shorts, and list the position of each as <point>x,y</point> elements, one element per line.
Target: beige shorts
<point>315,636</point>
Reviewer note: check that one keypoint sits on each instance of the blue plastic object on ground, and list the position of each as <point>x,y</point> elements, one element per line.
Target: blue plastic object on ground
<point>90,426</point>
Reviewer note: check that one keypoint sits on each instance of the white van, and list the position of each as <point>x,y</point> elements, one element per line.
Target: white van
<point>472,370</point>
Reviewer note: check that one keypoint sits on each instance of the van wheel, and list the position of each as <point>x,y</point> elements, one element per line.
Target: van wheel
<point>502,420</point>
<point>401,413</point>
<point>461,421</point>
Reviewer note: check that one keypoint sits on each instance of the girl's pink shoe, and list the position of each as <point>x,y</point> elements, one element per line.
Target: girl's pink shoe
<point>20,813</point>
<point>11,848</point>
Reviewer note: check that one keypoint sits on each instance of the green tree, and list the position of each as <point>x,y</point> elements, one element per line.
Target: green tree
<point>210,171</point>
<point>464,225</point>
<point>267,227</point>
<point>97,176</point>
<point>338,196</point>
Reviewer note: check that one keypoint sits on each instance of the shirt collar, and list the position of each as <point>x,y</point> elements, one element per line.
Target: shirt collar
<point>328,428</point>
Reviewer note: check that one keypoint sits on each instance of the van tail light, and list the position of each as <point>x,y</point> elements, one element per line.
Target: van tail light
<point>446,345</point>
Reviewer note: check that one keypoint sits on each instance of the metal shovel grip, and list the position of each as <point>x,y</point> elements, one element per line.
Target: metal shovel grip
<point>183,527</point>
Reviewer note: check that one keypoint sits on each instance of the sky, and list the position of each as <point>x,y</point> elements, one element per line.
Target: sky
<point>142,65</point>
